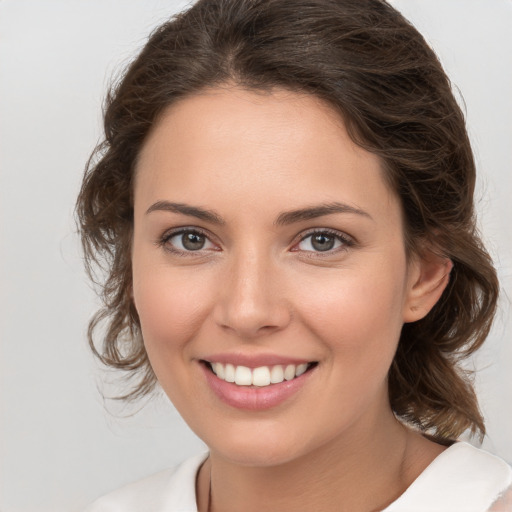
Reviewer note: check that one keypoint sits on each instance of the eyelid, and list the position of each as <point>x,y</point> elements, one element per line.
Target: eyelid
<point>171,233</point>
<point>346,240</point>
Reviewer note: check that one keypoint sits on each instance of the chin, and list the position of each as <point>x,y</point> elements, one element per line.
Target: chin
<point>258,455</point>
<point>262,443</point>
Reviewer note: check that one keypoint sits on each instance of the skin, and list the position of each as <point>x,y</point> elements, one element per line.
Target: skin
<point>258,287</point>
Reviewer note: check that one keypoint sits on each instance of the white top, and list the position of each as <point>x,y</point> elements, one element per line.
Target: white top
<point>461,479</point>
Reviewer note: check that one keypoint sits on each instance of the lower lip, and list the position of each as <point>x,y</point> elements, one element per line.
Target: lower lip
<point>251,397</point>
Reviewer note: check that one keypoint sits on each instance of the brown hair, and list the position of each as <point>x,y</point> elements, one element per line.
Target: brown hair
<point>376,70</point>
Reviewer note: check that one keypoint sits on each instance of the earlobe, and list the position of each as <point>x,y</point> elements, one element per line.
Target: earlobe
<point>429,276</point>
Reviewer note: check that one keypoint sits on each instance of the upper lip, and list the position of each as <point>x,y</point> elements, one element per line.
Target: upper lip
<point>254,360</point>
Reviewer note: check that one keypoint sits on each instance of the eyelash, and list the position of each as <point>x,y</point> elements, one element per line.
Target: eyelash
<point>163,241</point>
<point>345,240</point>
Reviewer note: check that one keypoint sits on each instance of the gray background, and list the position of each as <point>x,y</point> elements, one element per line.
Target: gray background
<point>59,447</point>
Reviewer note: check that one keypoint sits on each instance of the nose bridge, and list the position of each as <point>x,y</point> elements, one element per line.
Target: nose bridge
<point>252,302</point>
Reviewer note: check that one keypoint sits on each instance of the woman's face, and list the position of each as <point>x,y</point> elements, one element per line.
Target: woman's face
<point>266,243</point>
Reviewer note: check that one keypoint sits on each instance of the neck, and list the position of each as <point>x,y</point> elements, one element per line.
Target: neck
<point>384,459</point>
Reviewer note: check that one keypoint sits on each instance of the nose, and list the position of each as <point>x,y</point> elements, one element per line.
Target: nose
<point>252,302</point>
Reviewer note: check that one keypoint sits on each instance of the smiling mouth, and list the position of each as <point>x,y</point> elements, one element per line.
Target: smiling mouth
<point>258,377</point>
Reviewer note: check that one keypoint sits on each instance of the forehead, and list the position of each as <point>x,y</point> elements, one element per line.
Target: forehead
<point>279,119</point>
<point>236,144</point>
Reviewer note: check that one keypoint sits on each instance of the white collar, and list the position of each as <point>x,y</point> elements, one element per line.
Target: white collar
<point>461,479</point>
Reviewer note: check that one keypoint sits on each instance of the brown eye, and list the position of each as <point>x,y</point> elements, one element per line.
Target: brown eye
<point>322,242</point>
<point>187,240</point>
<point>193,241</point>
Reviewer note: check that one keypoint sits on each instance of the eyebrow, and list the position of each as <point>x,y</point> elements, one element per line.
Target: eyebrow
<point>318,211</point>
<point>283,219</point>
<point>185,209</point>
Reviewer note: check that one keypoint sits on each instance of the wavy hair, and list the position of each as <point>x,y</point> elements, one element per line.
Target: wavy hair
<point>375,69</point>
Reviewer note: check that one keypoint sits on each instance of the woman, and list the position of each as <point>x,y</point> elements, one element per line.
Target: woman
<point>284,199</point>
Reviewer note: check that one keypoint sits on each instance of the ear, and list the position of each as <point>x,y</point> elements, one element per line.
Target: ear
<point>428,277</point>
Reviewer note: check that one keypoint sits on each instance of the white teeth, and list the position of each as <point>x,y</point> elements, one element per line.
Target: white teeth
<point>243,376</point>
<point>301,369</point>
<point>218,368</point>
<point>229,373</point>
<point>289,372</point>
<point>261,376</point>
<point>276,375</point>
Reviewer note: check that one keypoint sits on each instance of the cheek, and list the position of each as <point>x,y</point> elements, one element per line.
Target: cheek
<point>171,309</point>
<point>358,315</point>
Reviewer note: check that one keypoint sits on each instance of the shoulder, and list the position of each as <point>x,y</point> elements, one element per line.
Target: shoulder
<point>172,489</point>
<point>462,478</point>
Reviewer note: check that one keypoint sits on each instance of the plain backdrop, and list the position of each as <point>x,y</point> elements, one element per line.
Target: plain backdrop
<point>60,448</point>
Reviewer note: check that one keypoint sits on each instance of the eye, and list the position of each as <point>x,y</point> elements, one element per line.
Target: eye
<point>186,241</point>
<point>324,241</point>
